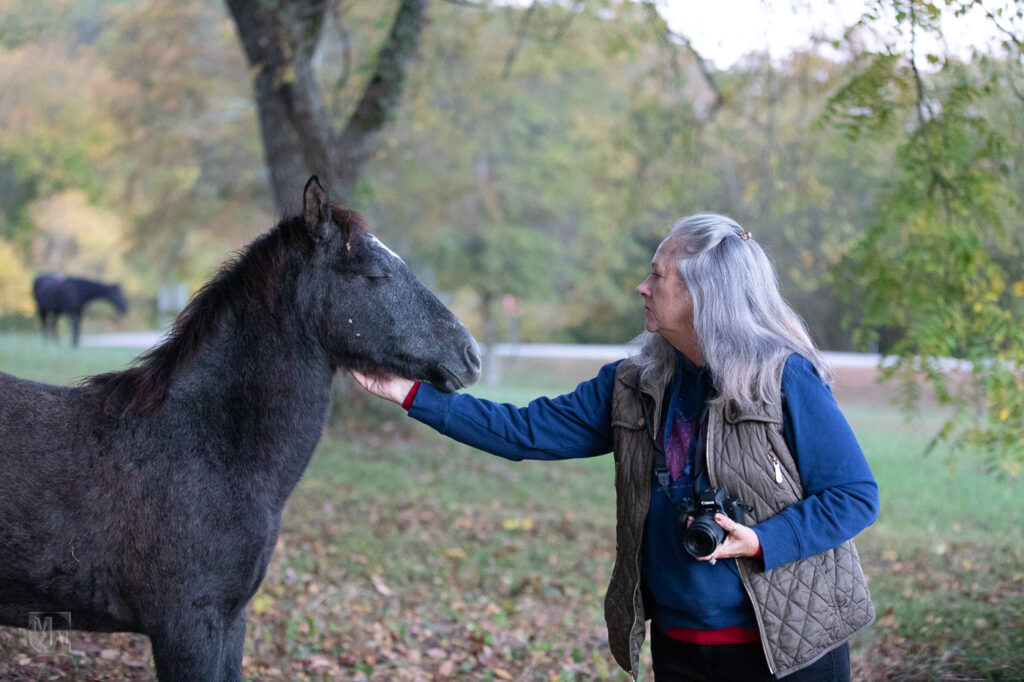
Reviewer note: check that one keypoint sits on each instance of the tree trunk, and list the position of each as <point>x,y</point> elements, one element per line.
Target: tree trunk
<point>299,139</point>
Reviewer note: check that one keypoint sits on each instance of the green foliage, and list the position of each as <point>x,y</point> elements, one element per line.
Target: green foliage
<point>501,259</point>
<point>936,273</point>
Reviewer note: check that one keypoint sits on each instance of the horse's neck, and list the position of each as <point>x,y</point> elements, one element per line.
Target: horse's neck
<point>88,290</point>
<point>269,388</point>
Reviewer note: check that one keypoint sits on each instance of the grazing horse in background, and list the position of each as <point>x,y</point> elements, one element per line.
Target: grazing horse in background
<point>56,295</point>
<point>149,500</point>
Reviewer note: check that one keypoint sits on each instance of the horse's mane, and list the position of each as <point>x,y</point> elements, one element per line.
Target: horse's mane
<point>244,282</point>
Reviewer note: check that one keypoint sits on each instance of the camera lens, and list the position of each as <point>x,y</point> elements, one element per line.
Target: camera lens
<point>703,536</point>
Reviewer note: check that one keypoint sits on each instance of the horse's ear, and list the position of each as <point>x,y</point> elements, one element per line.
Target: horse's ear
<point>316,208</point>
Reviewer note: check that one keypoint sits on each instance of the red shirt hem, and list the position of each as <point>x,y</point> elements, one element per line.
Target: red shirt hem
<point>730,635</point>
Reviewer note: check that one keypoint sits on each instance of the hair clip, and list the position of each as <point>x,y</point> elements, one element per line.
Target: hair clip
<point>745,236</point>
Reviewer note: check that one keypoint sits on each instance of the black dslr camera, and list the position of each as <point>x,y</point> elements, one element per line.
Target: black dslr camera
<point>705,535</point>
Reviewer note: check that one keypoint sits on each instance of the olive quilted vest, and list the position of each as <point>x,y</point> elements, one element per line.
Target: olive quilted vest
<point>804,608</point>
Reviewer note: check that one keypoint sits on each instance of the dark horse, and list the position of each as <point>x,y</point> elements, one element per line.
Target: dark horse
<point>57,295</point>
<point>149,500</point>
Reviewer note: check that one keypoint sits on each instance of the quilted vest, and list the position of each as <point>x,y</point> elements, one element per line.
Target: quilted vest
<point>804,608</point>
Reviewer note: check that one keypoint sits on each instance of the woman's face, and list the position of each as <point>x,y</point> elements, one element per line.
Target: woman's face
<point>668,306</point>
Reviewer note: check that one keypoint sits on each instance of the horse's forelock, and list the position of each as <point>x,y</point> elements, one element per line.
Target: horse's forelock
<point>349,220</point>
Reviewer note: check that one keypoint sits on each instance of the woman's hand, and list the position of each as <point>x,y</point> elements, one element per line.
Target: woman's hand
<point>387,386</point>
<point>740,540</point>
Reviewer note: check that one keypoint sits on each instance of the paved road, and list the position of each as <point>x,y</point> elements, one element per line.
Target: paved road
<point>123,340</point>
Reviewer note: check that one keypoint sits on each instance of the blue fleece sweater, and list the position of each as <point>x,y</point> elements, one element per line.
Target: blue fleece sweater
<point>841,493</point>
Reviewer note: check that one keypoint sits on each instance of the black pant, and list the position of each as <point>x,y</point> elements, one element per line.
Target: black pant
<point>676,661</point>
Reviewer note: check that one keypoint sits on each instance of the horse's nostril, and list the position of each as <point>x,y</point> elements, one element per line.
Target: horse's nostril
<point>472,357</point>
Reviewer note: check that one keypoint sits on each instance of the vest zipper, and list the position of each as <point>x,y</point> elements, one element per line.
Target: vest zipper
<point>739,565</point>
<point>781,478</point>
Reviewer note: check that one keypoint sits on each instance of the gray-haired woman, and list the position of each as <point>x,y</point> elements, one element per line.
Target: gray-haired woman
<point>724,418</point>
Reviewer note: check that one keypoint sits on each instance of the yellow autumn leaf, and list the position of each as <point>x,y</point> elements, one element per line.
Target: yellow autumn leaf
<point>517,524</point>
<point>1018,289</point>
<point>260,603</point>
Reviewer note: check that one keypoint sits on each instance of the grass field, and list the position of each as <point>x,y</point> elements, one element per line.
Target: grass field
<point>406,557</point>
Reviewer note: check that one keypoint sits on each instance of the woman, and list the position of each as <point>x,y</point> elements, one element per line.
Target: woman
<point>728,399</point>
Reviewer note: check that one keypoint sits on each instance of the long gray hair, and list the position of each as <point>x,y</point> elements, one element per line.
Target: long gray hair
<point>743,325</point>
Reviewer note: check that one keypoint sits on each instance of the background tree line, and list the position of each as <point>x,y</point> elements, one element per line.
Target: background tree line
<point>539,150</point>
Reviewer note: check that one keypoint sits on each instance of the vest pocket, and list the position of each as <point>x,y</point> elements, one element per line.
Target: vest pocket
<point>629,417</point>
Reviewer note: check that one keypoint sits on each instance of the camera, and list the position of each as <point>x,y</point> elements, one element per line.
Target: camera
<point>705,535</point>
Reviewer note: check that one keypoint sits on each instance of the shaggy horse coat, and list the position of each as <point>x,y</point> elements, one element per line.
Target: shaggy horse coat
<point>149,500</point>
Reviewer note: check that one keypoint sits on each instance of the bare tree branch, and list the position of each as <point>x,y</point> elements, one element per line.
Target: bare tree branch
<point>338,21</point>
<point>380,99</point>
<point>674,37</point>
<point>925,115</point>
<point>1014,38</point>
<point>563,27</point>
<point>521,31</point>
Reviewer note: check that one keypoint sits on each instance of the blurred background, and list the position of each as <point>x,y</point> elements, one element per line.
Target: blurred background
<point>525,159</point>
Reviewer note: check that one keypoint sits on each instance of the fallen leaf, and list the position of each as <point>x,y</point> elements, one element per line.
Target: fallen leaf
<point>320,661</point>
<point>380,585</point>
<point>260,603</point>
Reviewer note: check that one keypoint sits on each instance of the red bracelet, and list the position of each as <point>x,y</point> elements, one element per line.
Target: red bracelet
<point>407,403</point>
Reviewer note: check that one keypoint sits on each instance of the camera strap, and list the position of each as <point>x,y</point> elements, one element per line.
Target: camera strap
<point>661,471</point>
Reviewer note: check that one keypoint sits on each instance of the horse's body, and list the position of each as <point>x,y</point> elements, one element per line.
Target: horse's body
<point>58,295</point>
<point>150,500</point>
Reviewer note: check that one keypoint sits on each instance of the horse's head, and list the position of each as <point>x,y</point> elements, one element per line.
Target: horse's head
<point>117,297</point>
<point>371,311</point>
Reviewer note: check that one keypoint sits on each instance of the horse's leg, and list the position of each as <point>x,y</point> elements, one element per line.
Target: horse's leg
<point>48,321</point>
<point>187,645</point>
<point>234,643</point>
<point>76,327</point>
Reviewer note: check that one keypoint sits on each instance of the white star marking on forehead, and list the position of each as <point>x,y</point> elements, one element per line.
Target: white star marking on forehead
<point>384,246</point>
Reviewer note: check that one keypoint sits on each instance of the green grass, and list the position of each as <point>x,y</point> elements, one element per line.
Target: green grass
<point>406,556</point>
<point>30,356</point>
<point>945,558</point>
